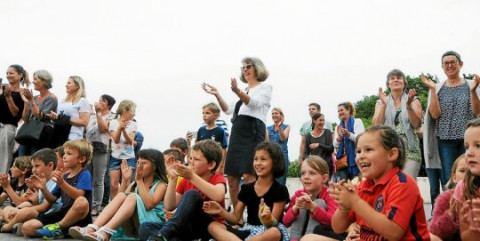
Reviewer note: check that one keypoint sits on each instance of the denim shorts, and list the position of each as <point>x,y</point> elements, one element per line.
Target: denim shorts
<point>114,163</point>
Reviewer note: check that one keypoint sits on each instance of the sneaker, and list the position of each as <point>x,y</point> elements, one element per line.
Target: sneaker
<point>51,231</point>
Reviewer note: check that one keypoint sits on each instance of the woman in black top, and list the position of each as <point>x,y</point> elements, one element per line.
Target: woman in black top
<point>11,108</point>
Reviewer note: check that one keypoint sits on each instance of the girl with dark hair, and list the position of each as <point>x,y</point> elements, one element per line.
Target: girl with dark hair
<point>265,200</point>
<point>143,197</point>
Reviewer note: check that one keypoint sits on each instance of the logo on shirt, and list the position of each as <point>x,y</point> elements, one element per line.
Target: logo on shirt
<point>379,203</point>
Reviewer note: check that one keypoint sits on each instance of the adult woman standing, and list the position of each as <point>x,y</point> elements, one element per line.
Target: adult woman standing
<point>11,108</point>
<point>278,133</point>
<point>347,130</point>
<point>38,106</point>
<point>319,141</point>
<point>402,112</point>
<point>98,135</point>
<point>451,104</point>
<point>248,122</point>
<point>75,106</point>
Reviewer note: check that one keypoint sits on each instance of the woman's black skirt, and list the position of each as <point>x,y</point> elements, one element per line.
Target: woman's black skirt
<point>247,132</point>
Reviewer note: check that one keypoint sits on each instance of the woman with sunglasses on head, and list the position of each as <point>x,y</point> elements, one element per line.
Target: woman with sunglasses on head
<point>11,108</point>
<point>74,110</point>
<point>36,107</point>
<point>248,122</point>
<point>402,111</point>
<point>451,104</point>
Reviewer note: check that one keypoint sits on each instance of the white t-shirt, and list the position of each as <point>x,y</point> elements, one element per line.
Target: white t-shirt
<point>94,134</point>
<point>258,105</point>
<point>74,110</point>
<point>121,150</point>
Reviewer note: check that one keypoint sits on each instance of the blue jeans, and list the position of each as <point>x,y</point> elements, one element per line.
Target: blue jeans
<point>283,179</point>
<point>449,151</point>
<point>189,221</point>
<point>26,150</point>
<point>434,178</point>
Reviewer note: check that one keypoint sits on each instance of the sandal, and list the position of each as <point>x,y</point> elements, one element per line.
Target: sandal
<point>97,236</point>
<point>94,213</point>
<point>78,232</point>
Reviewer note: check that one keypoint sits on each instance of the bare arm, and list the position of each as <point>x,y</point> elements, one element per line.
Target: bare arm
<point>380,107</point>
<point>474,96</point>
<point>434,107</point>
<point>415,113</point>
<point>82,121</point>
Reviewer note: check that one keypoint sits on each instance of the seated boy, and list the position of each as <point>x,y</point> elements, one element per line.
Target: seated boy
<point>14,186</point>
<point>181,145</point>
<point>43,163</point>
<point>200,184</point>
<point>75,189</point>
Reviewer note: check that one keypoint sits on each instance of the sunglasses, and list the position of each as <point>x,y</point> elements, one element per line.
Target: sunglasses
<point>248,66</point>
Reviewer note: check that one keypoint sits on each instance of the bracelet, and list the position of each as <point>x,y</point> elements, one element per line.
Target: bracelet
<point>274,224</point>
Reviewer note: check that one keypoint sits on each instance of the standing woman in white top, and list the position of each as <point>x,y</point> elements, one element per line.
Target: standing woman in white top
<point>248,122</point>
<point>122,130</point>
<point>76,106</point>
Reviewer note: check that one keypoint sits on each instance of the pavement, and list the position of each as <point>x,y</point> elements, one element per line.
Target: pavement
<point>422,183</point>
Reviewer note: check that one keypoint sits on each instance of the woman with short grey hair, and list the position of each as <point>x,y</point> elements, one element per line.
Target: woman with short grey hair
<point>402,111</point>
<point>248,122</point>
<point>38,106</point>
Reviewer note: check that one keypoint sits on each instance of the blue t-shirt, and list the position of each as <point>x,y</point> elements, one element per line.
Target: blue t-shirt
<point>274,136</point>
<point>82,181</point>
<point>216,134</point>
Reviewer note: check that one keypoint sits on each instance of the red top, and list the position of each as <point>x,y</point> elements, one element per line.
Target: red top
<point>186,185</point>
<point>396,196</point>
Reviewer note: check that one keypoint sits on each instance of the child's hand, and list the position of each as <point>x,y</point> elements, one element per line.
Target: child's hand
<point>38,182</point>
<point>58,175</point>
<point>212,207</point>
<point>305,202</point>
<point>343,194</point>
<point>264,213</point>
<point>470,212</point>
<point>4,180</point>
<point>184,171</point>
<point>353,234</point>
<point>126,170</point>
<point>172,173</point>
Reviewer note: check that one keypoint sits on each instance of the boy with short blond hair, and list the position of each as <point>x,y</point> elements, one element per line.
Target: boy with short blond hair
<point>75,189</point>
<point>210,130</point>
<point>200,184</point>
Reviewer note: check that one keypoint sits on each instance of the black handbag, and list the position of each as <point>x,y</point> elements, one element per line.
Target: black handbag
<point>34,133</point>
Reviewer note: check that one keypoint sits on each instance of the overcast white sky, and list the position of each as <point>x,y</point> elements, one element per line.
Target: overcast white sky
<point>157,53</point>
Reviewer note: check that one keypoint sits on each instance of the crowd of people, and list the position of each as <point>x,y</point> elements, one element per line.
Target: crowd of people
<point>69,161</point>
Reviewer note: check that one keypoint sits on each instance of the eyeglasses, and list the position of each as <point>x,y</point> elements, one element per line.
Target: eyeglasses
<point>451,63</point>
<point>248,66</point>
